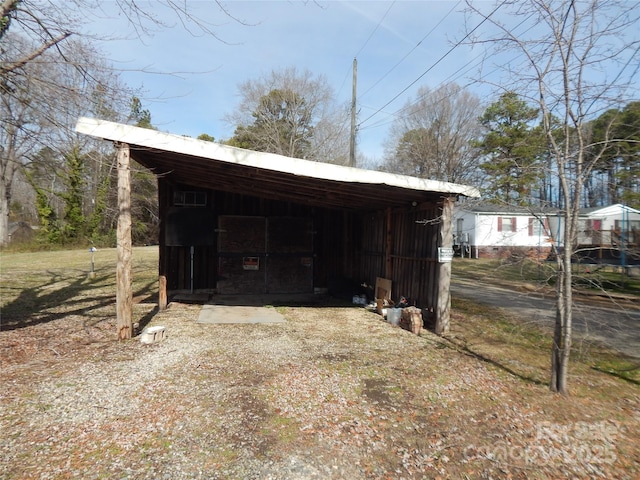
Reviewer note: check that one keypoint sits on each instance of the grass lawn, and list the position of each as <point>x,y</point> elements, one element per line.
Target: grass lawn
<point>594,278</point>
<point>523,347</point>
<point>328,385</point>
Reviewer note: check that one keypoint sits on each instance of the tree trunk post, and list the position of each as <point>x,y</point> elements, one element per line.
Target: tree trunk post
<point>124,288</point>
<point>444,273</point>
<point>162,293</point>
<point>561,349</point>
<point>4,214</point>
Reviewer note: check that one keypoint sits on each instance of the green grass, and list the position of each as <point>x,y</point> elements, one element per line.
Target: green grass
<point>37,287</point>
<point>524,349</point>
<point>595,278</point>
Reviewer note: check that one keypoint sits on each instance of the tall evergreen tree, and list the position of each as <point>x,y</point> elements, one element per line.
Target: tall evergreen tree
<point>512,147</point>
<point>282,124</point>
<point>619,131</point>
<point>290,113</point>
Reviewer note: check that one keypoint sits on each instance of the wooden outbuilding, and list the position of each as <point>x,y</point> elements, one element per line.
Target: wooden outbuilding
<point>235,221</point>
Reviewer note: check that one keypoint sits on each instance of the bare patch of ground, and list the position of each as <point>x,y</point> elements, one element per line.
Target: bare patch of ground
<point>335,392</point>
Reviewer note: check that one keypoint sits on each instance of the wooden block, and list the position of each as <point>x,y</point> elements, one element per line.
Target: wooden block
<point>411,319</point>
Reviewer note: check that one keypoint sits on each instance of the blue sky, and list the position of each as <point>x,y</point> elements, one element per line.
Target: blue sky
<point>190,82</point>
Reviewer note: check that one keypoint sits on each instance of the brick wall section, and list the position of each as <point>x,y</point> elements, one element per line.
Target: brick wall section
<point>511,252</point>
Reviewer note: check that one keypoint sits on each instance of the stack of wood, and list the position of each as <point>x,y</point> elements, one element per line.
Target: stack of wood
<point>411,319</point>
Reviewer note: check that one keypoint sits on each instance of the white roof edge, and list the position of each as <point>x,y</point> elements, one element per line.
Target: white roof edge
<point>144,137</point>
<point>603,211</point>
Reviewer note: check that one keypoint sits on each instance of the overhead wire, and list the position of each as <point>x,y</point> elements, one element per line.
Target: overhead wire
<point>375,29</point>
<point>451,78</point>
<point>412,50</point>
<point>433,65</point>
<point>366,42</point>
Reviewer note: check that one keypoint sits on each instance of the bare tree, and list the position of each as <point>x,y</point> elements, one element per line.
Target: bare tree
<point>576,60</point>
<point>291,113</point>
<point>40,103</point>
<point>433,139</point>
<point>35,41</point>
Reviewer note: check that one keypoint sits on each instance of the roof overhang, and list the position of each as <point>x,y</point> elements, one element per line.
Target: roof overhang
<point>203,164</point>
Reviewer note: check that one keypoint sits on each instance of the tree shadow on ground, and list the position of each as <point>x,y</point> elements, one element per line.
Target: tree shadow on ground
<point>59,297</point>
<point>464,349</point>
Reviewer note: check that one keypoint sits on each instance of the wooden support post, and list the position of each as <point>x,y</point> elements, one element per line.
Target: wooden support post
<point>124,288</point>
<point>388,262</point>
<point>162,293</point>
<point>162,275</point>
<point>444,268</point>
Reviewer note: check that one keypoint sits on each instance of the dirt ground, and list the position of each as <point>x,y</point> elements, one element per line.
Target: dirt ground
<point>335,392</point>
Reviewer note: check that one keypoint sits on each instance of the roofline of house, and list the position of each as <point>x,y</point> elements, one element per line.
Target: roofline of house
<point>595,210</point>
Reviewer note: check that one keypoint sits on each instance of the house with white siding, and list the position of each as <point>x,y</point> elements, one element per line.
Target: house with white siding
<point>608,225</point>
<point>608,234</point>
<point>499,231</point>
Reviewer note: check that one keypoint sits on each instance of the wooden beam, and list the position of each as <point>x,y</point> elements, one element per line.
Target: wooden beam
<point>388,260</point>
<point>124,288</point>
<point>444,269</point>
<point>163,206</point>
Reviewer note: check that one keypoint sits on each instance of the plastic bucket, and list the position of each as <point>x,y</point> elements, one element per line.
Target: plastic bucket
<point>393,315</point>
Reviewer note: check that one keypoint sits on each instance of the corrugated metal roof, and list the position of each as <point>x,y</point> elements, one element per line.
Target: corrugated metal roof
<point>211,165</point>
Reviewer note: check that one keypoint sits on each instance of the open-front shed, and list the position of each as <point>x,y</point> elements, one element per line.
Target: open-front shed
<point>245,222</point>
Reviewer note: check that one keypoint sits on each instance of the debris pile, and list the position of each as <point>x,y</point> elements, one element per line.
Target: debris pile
<point>400,314</point>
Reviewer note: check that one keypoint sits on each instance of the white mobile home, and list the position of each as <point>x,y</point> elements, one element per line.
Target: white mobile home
<point>487,230</point>
<point>608,234</point>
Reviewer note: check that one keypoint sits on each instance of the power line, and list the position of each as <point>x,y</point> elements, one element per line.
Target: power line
<point>434,64</point>
<point>453,77</point>
<point>367,41</point>
<point>375,29</point>
<point>412,50</point>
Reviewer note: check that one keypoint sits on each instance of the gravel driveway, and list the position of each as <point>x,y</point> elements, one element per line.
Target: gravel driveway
<point>332,393</point>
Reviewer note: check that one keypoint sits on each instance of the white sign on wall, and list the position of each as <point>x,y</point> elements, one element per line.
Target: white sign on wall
<point>445,254</point>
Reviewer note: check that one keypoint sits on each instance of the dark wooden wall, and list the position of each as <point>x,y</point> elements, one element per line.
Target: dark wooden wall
<point>329,238</point>
<point>403,247</point>
<point>349,248</point>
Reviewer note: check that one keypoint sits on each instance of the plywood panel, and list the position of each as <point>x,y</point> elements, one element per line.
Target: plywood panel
<point>290,235</point>
<point>289,274</point>
<point>237,234</point>
<point>235,278</point>
<point>189,226</point>
<point>265,255</point>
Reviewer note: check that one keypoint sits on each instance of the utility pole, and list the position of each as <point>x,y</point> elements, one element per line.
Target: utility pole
<point>352,138</point>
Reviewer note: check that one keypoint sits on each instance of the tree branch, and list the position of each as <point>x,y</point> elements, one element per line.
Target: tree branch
<point>36,53</point>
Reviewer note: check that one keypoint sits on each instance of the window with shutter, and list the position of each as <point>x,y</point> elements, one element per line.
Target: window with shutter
<point>506,224</point>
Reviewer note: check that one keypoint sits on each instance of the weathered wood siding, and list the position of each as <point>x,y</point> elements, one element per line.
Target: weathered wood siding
<point>401,245</point>
<point>409,259</point>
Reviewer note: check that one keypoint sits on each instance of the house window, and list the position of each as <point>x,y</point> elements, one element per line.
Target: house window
<point>183,198</point>
<point>538,227</point>
<point>506,224</point>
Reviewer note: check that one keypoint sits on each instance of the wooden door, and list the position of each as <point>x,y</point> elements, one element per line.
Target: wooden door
<point>290,255</point>
<point>265,255</point>
<point>242,248</point>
